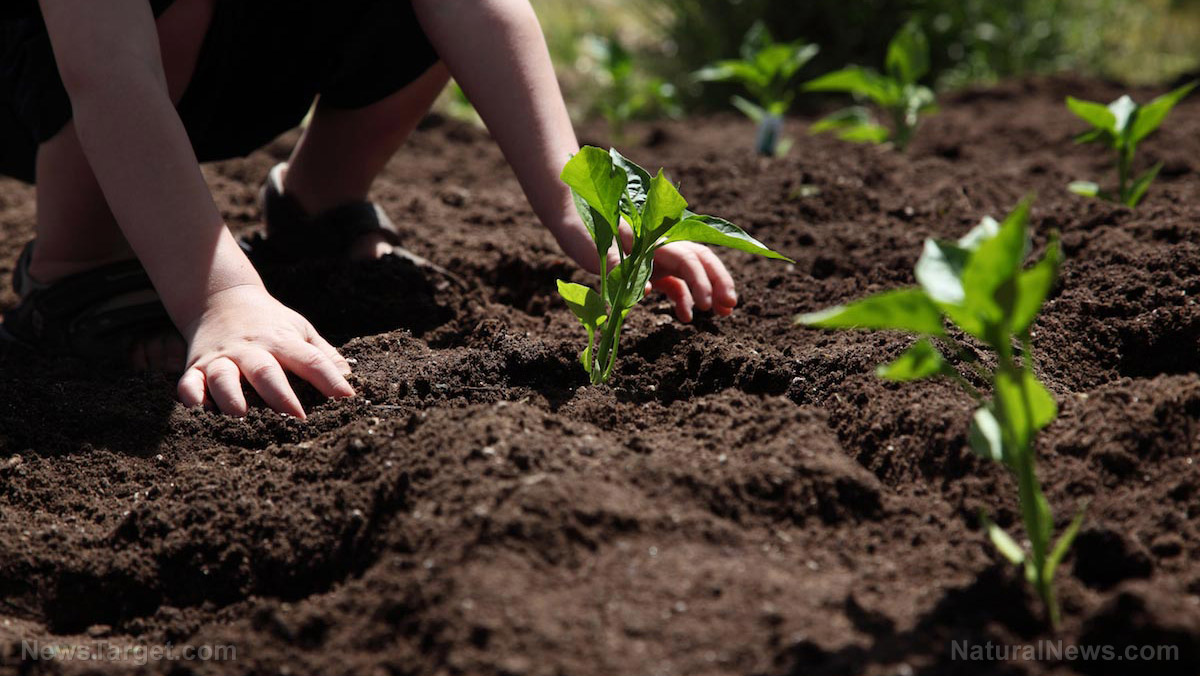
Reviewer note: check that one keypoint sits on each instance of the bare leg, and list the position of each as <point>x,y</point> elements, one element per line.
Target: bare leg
<point>76,230</point>
<point>342,151</point>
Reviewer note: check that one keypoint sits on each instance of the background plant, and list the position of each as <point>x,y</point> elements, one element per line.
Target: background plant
<point>979,283</point>
<point>766,69</point>
<point>625,93</point>
<point>971,41</point>
<point>898,93</point>
<point>1121,126</point>
<point>607,189</point>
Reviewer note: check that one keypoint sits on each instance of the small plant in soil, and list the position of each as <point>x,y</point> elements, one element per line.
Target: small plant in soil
<point>625,93</point>
<point>980,285</point>
<point>1121,126</point>
<point>607,189</point>
<point>766,70</point>
<point>898,93</point>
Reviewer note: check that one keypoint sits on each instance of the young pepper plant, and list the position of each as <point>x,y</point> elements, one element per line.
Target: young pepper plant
<point>898,93</point>
<point>766,70</point>
<point>608,188</point>
<point>980,285</point>
<point>624,92</point>
<point>1122,125</point>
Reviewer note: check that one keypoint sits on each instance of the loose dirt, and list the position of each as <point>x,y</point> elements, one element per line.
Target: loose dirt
<point>746,497</point>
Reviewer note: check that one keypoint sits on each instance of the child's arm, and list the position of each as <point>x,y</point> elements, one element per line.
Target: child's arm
<point>496,51</point>
<point>109,59</point>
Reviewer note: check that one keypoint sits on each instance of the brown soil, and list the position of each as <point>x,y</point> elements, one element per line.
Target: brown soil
<point>746,498</point>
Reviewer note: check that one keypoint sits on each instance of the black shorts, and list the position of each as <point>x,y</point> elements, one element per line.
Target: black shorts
<point>262,64</point>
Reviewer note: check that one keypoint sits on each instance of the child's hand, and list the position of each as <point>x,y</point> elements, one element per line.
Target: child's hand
<point>245,333</point>
<point>693,276</point>
<point>690,274</point>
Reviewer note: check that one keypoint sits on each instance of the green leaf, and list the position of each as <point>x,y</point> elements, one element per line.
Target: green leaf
<point>1151,115</point>
<point>1096,114</point>
<point>589,308</point>
<point>637,181</point>
<point>995,262</point>
<point>1095,135</point>
<point>1041,402</point>
<point>902,310</point>
<point>1122,111</point>
<point>664,207</point>
<point>640,270</point>
<point>1085,188</point>
<point>1003,542</point>
<point>857,81</point>
<point>598,182</point>
<point>1025,403</point>
<point>775,61</point>
<point>732,71</point>
<point>801,53</point>
<point>1138,190</point>
<point>921,360</point>
<point>939,271</point>
<point>596,226</point>
<point>854,116</point>
<point>865,133</point>
<point>1033,285</point>
<point>1064,543</point>
<point>584,302</point>
<point>852,124</point>
<point>751,110</point>
<point>985,437</point>
<point>720,232</point>
<point>908,54</point>
<point>988,228</point>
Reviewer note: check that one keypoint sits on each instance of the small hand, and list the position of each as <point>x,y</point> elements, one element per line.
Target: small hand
<point>692,276</point>
<point>245,333</point>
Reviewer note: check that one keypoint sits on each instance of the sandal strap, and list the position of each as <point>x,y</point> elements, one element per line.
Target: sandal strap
<point>96,314</point>
<point>294,233</point>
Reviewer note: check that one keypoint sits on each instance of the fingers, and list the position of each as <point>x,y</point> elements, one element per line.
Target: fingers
<point>330,351</point>
<point>267,378</point>
<point>317,367</point>
<point>692,271</point>
<point>706,282</point>
<point>191,388</point>
<point>724,290</point>
<point>224,381</point>
<point>223,376</point>
<point>679,294</point>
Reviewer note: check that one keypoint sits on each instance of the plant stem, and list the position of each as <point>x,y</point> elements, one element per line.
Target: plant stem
<point>611,335</point>
<point>1024,465</point>
<point>901,132</point>
<point>1124,160</point>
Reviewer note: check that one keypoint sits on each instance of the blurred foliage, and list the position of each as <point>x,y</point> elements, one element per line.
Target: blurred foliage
<point>623,92</point>
<point>971,41</point>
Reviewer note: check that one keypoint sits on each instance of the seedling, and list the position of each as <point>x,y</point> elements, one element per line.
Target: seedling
<point>625,93</point>
<point>766,70</point>
<point>1121,125</point>
<point>608,188</point>
<point>898,93</point>
<point>980,285</point>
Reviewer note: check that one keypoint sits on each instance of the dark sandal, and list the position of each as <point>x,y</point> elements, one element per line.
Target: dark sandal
<point>294,235</point>
<point>95,315</point>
